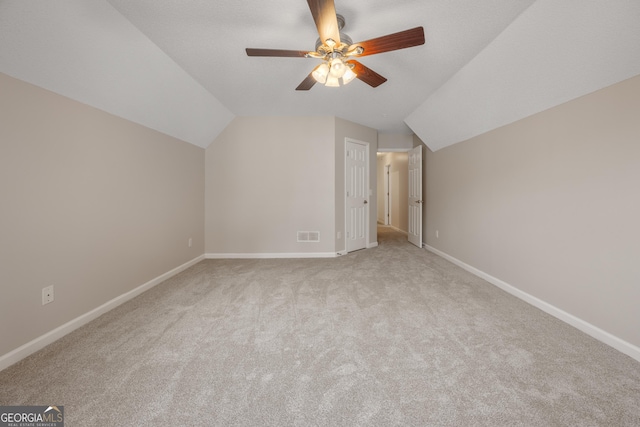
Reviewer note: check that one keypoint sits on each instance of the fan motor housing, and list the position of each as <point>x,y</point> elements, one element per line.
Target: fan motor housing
<point>345,40</point>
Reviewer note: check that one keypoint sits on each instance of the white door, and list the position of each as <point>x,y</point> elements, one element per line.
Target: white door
<point>387,195</point>
<point>357,194</point>
<point>415,196</point>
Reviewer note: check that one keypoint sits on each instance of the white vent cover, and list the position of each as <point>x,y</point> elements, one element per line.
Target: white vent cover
<point>308,236</point>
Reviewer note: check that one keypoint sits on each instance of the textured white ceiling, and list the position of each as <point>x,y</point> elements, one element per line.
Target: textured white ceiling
<point>181,68</point>
<point>208,39</point>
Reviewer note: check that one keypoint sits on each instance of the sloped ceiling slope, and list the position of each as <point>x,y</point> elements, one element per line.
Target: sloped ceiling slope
<point>553,52</point>
<point>87,51</point>
<point>181,68</point>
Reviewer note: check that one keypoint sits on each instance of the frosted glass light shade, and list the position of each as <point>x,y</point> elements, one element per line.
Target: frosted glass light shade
<point>320,73</point>
<point>332,81</point>
<point>338,68</point>
<point>333,73</point>
<point>348,76</point>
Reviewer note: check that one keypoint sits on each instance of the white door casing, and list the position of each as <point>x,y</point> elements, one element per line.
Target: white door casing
<point>356,194</point>
<point>415,196</point>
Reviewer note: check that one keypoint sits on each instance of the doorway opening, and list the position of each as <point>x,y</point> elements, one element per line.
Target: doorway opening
<point>400,192</point>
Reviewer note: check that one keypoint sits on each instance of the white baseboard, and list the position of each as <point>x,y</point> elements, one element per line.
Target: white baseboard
<point>586,327</point>
<point>42,341</point>
<point>271,255</point>
<point>372,245</point>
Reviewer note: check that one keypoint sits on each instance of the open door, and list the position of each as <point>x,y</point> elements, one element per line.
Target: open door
<point>387,195</point>
<point>415,196</point>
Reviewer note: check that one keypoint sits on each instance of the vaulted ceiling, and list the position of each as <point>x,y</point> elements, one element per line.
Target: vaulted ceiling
<point>180,67</point>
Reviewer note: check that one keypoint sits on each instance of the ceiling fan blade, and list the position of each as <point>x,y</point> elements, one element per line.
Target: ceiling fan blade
<point>324,15</point>
<point>307,83</point>
<point>366,74</point>
<point>277,52</point>
<point>395,41</point>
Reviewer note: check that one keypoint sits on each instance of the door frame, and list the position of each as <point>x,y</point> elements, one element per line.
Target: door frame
<point>368,187</point>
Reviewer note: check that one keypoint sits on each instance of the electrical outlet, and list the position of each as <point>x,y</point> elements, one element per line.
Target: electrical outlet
<point>190,241</point>
<point>437,234</point>
<point>47,295</point>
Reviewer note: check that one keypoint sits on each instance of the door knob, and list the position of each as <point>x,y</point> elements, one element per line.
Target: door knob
<point>365,202</point>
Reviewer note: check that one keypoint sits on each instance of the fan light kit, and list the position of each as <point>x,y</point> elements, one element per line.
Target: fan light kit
<point>333,72</point>
<point>336,50</point>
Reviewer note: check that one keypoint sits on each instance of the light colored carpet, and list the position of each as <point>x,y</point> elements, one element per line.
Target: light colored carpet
<point>383,337</point>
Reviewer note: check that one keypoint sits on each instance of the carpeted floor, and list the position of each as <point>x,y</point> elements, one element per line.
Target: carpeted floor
<point>390,336</point>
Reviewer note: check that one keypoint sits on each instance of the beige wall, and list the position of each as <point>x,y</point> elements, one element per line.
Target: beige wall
<point>399,188</point>
<point>268,178</point>
<point>551,205</point>
<point>346,129</point>
<point>281,175</point>
<point>91,203</point>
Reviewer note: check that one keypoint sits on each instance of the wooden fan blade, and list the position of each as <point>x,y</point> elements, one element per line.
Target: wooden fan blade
<point>395,41</point>
<point>307,83</point>
<point>366,74</point>
<point>324,15</point>
<point>276,52</point>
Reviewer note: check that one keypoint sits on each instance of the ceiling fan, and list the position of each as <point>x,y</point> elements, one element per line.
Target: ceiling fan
<point>337,50</point>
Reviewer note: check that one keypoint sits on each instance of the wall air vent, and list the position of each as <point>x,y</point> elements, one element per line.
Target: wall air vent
<point>308,236</point>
